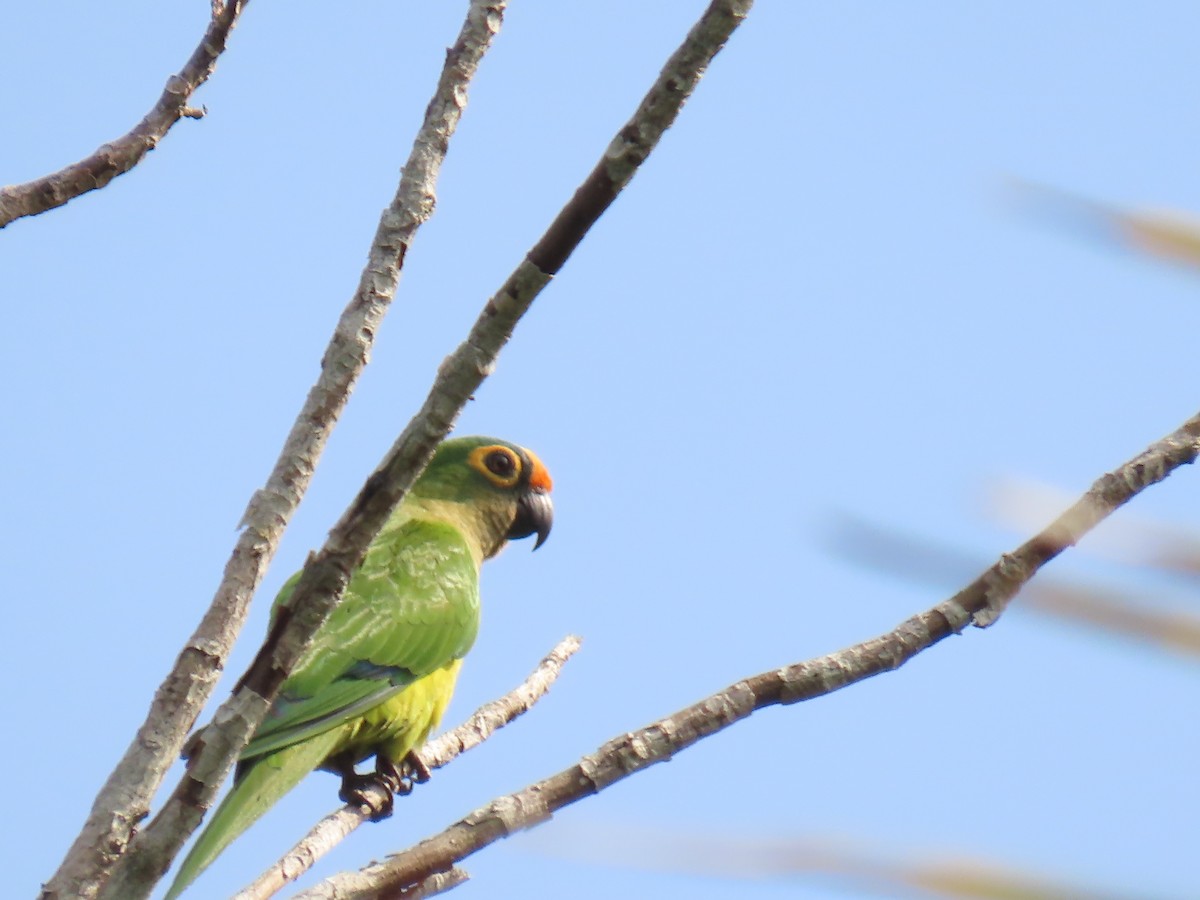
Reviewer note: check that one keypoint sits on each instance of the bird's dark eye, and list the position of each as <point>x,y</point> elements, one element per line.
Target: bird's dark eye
<point>500,463</point>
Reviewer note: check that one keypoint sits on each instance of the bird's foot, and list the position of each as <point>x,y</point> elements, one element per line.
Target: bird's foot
<point>402,778</point>
<point>390,779</point>
<point>358,790</point>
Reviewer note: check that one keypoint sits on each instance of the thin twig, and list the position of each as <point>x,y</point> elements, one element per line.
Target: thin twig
<point>634,142</point>
<point>118,157</point>
<point>124,800</point>
<point>484,722</point>
<point>981,601</point>
<point>1169,546</point>
<point>328,571</point>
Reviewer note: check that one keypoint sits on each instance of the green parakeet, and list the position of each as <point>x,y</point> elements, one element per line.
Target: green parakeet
<point>380,671</point>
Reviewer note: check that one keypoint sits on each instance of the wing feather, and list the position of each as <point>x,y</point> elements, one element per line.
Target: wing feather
<point>410,609</point>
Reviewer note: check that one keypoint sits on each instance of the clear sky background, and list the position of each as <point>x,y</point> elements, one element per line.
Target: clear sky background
<point>817,298</point>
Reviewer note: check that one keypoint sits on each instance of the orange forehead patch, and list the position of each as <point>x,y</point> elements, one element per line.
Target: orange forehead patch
<point>539,478</point>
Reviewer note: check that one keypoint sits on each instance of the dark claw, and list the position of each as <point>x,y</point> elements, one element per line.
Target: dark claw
<point>355,791</point>
<point>401,778</point>
<point>394,780</point>
<point>416,768</point>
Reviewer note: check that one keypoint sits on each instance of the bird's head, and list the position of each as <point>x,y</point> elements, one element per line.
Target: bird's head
<point>502,489</point>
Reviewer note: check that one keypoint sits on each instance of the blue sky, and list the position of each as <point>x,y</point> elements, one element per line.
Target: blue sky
<point>816,298</point>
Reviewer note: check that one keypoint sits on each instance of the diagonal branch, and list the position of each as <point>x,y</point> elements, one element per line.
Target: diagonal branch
<point>634,142</point>
<point>982,601</point>
<point>436,884</point>
<point>124,800</point>
<point>327,572</point>
<point>482,724</point>
<point>118,157</point>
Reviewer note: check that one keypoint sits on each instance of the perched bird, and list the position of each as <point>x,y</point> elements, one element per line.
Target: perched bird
<point>380,671</point>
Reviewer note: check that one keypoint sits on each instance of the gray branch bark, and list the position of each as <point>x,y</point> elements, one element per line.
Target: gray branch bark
<point>482,724</point>
<point>105,860</point>
<point>125,797</point>
<point>118,157</point>
<point>981,602</point>
<point>327,572</point>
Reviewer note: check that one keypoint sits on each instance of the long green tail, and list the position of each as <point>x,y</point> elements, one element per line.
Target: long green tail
<point>258,790</point>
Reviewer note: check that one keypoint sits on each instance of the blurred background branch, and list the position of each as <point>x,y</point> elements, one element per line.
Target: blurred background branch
<point>931,563</point>
<point>842,864</point>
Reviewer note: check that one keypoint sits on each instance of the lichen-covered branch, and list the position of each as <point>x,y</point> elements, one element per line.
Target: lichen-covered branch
<point>982,601</point>
<point>484,722</point>
<point>124,800</point>
<point>118,157</point>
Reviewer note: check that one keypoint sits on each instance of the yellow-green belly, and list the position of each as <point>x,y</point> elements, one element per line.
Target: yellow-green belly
<point>403,722</point>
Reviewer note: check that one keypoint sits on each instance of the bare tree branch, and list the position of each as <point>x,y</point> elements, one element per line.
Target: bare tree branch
<point>116,158</point>
<point>1170,546</point>
<point>432,886</point>
<point>436,884</point>
<point>981,602</point>
<point>482,724</point>
<point>359,885</point>
<point>327,572</point>
<point>124,800</point>
<point>493,716</point>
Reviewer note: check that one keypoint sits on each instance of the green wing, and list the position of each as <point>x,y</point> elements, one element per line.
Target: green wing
<point>411,609</point>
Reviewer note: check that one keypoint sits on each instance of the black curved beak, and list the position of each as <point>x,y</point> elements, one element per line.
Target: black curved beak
<point>535,515</point>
